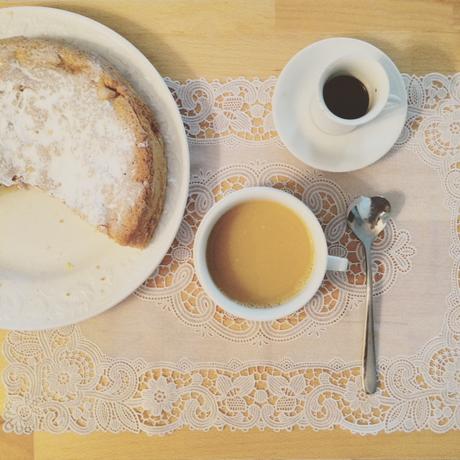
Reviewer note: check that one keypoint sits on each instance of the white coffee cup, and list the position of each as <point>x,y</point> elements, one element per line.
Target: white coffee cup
<point>374,77</point>
<point>323,261</point>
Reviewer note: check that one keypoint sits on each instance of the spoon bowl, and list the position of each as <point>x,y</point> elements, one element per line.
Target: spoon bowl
<point>367,217</point>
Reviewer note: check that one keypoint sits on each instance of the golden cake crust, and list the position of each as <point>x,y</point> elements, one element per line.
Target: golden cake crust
<point>136,226</point>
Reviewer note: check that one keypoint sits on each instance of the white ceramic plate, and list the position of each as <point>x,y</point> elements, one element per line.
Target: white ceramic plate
<point>292,101</point>
<point>56,269</point>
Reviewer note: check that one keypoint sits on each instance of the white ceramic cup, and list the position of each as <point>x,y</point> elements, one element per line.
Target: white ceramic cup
<point>374,77</point>
<point>323,261</point>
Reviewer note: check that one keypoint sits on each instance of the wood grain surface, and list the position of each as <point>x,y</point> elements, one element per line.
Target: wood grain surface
<point>219,39</point>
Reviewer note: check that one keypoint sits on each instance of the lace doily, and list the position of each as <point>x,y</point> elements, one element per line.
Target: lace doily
<point>61,381</point>
<point>175,286</point>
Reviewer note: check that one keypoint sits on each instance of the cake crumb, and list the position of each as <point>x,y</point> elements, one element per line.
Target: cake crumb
<point>70,266</point>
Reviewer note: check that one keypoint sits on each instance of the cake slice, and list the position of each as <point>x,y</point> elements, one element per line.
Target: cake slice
<point>73,127</point>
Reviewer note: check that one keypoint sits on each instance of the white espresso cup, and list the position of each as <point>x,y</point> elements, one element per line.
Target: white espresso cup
<point>322,261</point>
<point>372,75</point>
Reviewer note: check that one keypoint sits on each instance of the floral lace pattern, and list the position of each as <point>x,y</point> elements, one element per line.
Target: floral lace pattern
<point>238,108</point>
<point>89,391</point>
<point>60,381</point>
<point>175,285</point>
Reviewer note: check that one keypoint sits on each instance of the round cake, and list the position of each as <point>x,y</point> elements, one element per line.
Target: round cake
<point>71,126</point>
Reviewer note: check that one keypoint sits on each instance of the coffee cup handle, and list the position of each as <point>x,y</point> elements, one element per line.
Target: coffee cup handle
<point>337,264</point>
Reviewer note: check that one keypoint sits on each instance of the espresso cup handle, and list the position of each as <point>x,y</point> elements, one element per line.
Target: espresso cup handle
<point>393,103</point>
<point>337,264</point>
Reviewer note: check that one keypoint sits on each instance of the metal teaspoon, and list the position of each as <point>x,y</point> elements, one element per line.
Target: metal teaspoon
<point>367,217</point>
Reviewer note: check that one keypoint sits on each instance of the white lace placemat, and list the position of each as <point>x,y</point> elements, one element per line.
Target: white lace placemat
<point>168,357</point>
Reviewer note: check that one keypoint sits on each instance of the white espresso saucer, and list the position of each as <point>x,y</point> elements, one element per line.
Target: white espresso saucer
<point>292,104</point>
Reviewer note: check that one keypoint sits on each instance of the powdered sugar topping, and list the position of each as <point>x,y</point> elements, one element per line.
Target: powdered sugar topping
<point>58,135</point>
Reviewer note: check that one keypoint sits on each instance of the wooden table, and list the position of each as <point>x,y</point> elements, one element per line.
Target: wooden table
<point>218,39</point>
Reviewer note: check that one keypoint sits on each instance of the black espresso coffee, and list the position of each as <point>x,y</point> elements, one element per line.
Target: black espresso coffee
<point>346,97</point>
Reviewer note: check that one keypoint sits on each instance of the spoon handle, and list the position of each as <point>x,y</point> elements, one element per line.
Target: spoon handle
<point>369,362</point>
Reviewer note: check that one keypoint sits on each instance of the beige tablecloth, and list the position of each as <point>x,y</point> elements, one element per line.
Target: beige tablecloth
<point>168,357</point>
